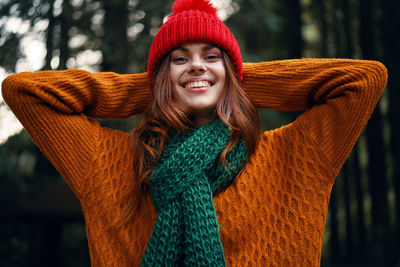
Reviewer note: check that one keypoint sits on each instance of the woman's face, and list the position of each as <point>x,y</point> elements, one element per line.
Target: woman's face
<point>197,72</point>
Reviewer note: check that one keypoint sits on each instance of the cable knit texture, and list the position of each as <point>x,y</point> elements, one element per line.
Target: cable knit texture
<point>273,214</point>
<point>183,183</point>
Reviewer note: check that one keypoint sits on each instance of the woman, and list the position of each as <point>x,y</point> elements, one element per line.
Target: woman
<point>196,183</point>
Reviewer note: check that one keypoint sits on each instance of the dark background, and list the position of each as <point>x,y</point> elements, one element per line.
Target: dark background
<point>41,222</point>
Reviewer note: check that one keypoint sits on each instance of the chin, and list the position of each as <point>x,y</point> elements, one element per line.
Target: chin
<point>201,107</point>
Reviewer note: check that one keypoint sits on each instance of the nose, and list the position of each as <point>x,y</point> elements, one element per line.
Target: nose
<point>197,67</point>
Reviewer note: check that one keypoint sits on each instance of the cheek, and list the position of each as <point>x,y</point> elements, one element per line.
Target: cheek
<point>172,75</point>
<point>176,89</point>
<point>175,72</point>
<point>220,71</point>
<point>222,78</point>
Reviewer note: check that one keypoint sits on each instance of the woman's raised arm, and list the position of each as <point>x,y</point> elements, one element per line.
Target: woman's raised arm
<point>55,109</point>
<point>338,95</point>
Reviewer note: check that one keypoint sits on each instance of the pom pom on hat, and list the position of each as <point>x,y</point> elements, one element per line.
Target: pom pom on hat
<point>193,21</point>
<point>203,5</point>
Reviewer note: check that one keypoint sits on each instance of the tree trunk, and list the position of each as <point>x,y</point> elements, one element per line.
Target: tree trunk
<point>347,26</point>
<point>293,29</point>
<point>340,51</point>
<point>49,37</point>
<point>390,22</point>
<point>346,193</point>
<point>376,152</point>
<point>45,242</point>
<point>324,28</point>
<point>65,24</point>
<point>361,234</point>
<point>115,42</point>
<point>337,29</point>
<point>334,243</point>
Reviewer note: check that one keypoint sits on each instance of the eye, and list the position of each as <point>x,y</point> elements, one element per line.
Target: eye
<point>179,59</point>
<point>212,57</point>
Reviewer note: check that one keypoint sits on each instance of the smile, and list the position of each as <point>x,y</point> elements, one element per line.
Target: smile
<point>197,84</point>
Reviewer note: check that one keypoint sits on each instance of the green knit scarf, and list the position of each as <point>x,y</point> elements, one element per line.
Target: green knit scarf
<point>188,174</point>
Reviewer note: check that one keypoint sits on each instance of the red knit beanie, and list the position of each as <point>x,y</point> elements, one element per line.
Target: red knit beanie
<point>193,21</point>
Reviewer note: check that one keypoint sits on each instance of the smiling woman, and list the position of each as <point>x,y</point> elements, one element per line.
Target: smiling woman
<point>198,74</point>
<point>196,183</point>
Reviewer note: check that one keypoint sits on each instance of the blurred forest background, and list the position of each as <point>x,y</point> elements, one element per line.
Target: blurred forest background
<point>41,222</point>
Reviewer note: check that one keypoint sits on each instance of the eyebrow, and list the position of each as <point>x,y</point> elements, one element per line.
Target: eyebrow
<point>204,48</point>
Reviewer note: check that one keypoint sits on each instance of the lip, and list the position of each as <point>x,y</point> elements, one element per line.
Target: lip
<point>197,90</point>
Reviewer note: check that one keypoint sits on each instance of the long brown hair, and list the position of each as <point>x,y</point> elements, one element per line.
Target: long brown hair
<point>166,111</point>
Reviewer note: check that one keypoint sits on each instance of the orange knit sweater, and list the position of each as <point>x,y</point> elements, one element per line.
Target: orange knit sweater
<point>272,215</point>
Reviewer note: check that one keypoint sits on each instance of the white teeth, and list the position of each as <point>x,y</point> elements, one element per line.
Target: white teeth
<point>197,84</point>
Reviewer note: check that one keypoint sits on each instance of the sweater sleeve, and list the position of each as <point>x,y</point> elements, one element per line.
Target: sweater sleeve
<point>338,96</point>
<point>55,109</point>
